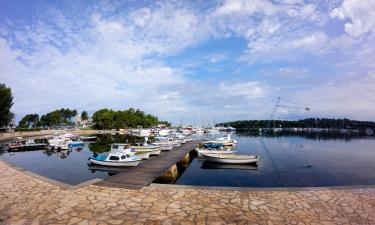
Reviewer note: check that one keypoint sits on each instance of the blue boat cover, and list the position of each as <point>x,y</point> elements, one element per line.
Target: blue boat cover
<point>213,145</point>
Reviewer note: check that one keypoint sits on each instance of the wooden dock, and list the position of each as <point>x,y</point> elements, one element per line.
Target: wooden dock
<point>147,172</point>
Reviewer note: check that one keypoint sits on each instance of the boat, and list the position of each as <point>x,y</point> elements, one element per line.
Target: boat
<point>198,131</point>
<point>31,145</point>
<point>223,151</point>
<point>226,140</point>
<point>145,132</point>
<point>231,158</point>
<point>167,141</point>
<point>211,130</point>
<point>165,146</point>
<point>164,132</point>
<point>115,159</point>
<point>127,149</point>
<point>15,144</point>
<point>59,143</point>
<point>145,147</point>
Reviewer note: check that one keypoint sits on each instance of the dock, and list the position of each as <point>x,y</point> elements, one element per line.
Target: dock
<point>147,172</point>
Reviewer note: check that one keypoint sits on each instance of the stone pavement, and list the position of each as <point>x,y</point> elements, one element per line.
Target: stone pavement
<point>25,199</point>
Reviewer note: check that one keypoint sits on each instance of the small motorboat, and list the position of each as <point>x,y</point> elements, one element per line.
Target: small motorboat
<point>115,159</point>
<point>223,151</point>
<point>15,145</point>
<point>226,141</point>
<point>231,158</point>
<point>126,149</point>
<point>152,150</point>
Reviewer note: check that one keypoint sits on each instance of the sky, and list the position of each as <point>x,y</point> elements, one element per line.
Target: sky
<point>191,61</point>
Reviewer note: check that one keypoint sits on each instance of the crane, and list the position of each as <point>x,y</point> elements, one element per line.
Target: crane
<point>278,105</point>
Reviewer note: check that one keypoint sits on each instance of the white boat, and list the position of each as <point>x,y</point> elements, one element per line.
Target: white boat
<point>212,130</point>
<point>144,132</point>
<point>143,153</point>
<point>226,140</point>
<point>198,131</point>
<point>59,143</point>
<point>231,158</point>
<point>224,151</point>
<point>164,132</point>
<point>116,159</point>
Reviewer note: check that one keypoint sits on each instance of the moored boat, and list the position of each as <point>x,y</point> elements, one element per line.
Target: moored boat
<point>202,151</point>
<point>231,158</point>
<point>115,159</point>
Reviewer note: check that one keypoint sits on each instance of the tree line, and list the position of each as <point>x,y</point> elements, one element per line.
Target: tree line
<point>102,119</point>
<point>60,117</point>
<point>130,118</point>
<point>303,123</point>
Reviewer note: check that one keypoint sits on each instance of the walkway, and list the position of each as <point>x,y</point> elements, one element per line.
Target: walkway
<point>145,173</point>
<point>25,199</point>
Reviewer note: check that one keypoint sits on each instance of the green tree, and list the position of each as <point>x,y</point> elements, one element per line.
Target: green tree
<point>109,119</point>
<point>29,120</point>
<point>6,103</point>
<point>84,116</point>
<point>58,117</point>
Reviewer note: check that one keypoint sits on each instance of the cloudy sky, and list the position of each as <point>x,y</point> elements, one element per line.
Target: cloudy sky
<point>227,59</point>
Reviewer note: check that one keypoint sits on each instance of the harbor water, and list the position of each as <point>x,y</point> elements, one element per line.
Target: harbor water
<point>285,161</point>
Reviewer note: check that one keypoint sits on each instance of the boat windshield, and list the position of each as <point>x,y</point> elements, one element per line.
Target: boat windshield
<point>114,158</point>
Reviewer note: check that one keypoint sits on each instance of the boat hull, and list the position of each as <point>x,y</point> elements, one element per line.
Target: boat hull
<point>152,151</point>
<point>229,160</point>
<point>144,155</point>
<point>114,164</point>
<point>209,151</point>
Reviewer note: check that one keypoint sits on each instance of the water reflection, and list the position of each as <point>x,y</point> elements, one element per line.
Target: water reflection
<point>287,160</point>
<point>212,165</point>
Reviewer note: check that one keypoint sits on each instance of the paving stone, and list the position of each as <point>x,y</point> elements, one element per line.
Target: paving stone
<point>25,199</point>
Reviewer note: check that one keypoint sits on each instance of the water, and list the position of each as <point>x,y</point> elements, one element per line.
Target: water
<point>71,166</point>
<point>291,161</point>
<point>285,161</point>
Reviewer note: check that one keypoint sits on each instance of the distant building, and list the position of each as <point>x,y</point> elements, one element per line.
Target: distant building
<point>83,123</point>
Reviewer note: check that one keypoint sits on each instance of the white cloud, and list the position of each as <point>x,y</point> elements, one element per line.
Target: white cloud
<point>249,90</point>
<point>351,97</point>
<point>361,15</point>
<point>114,56</point>
<point>293,72</point>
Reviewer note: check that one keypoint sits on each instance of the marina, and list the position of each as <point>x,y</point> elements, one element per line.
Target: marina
<point>272,161</point>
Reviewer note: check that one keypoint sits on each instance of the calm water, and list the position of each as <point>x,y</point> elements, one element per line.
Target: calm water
<point>291,161</point>
<point>68,166</point>
<point>286,161</point>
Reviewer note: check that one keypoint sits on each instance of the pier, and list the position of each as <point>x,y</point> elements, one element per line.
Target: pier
<point>147,172</point>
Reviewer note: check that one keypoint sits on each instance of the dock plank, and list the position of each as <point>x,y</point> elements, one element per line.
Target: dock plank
<point>146,172</point>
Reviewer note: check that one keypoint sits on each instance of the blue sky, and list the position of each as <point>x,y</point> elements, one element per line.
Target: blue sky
<point>227,59</point>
